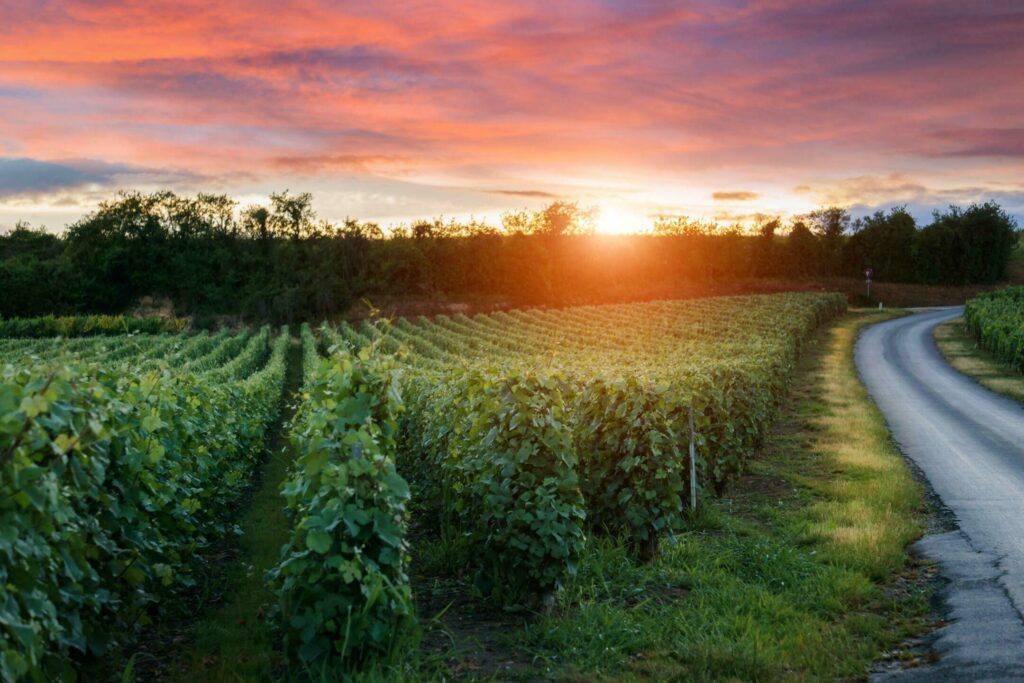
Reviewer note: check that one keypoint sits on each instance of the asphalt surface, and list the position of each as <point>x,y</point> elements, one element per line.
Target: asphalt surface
<point>969,444</point>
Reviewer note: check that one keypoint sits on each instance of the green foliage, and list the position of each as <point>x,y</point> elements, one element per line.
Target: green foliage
<point>557,218</point>
<point>633,458</point>
<point>283,264</point>
<point>786,582</point>
<point>996,319</point>
<point>86,325</point>
<point>966,245</point>
<point>498,449</point>
<point>516,462</point>
<point>683,226</point>
<point>252,357</point>
<point>112,476</point>
<point>345,600</point>
<point>885,243</point>
<point>33,273</point>
<point>226,348</point>
<point>310,353</point>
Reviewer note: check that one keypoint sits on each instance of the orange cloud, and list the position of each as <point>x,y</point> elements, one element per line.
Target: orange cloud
<point>734,196</point>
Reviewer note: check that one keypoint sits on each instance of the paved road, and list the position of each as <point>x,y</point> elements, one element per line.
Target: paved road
<point>969,443</point>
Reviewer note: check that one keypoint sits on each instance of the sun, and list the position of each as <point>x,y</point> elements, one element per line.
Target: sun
<point>617,219</point>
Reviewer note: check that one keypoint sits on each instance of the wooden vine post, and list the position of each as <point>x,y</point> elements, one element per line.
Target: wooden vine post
<point>693,466</point>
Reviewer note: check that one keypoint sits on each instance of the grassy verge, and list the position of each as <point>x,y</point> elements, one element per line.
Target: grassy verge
<point>800,571</point>
<point>963,353</point>
<point>235,641</point>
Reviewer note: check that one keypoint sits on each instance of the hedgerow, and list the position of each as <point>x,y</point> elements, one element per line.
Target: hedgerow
<point>87,325</point>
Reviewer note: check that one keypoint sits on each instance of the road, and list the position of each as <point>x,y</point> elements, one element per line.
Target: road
<point>969,444</point>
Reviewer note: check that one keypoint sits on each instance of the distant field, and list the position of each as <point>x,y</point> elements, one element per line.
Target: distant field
<point>891,294</point>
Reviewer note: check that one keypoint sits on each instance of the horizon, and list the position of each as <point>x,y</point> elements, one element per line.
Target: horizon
<point>392,115</point>
<point>596,227</point>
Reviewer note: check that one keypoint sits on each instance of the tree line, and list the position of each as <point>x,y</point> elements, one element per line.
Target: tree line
<point>282,263</point>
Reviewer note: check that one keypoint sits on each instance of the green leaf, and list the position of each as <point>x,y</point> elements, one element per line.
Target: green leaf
<point>318,541</point>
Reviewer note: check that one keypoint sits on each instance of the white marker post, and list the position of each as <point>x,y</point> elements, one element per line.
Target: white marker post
<point>868,272</point>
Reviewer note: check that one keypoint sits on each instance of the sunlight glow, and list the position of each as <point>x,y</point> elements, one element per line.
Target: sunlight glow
<point>617,219</point>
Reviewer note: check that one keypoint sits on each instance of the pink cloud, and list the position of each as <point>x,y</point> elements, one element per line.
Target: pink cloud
<point>651,91</point>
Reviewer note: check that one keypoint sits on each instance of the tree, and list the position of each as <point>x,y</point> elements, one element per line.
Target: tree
<point>935,252</point>
<point>801,250</point>
<point>517,222</point>
<point>829,224</point>
<point>566,218</point>
<point>33,273</point>
<point>557,218</point>
<point>292,215</point>
<point>120,252</point>
<point>683,226</point>
<point>256,222</point>
<point>281,263</point>
<point>884,243</point>
<point>766,255</point>
<point>980,239</point>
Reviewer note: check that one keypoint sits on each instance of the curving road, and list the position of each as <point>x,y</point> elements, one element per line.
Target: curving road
<point>969,443</point>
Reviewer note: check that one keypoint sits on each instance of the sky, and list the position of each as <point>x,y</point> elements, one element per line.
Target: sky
<point>393,111</point>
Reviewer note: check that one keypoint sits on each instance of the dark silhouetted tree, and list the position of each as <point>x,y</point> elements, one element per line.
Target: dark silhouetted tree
<point>802,250</point>
<point>829,225</point>
<point>883,242</point>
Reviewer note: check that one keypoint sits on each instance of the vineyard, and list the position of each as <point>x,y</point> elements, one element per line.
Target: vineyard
<point>996,319</point>
<point>521,434</point>
<point>120,460</point>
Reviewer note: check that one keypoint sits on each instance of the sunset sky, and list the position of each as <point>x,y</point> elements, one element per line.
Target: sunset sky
<point>391,111</point>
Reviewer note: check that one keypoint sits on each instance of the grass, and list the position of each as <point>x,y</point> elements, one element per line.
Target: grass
<point>799,572</point>
<point>963,353</point>
<point>235,641</point>
<point>870,507</point>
